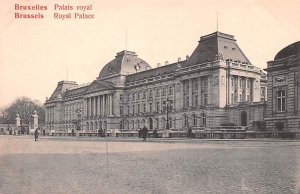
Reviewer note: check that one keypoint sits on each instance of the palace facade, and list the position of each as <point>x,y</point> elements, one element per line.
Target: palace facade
<point>283,106</point>
<point>216,85</point>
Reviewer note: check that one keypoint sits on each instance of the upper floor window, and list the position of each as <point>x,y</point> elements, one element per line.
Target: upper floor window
<point>150,93</point>
<point>157,92</point>
<point>121,110</point>
<point>144,94</point>
<point>121,97</point>
<point>138,95</point>
<point>281,98</point>
<point>133,96</point>
<point>163,91</point>
<point>170,90</point>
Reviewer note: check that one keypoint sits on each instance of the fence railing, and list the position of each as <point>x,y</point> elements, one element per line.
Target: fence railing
<point>196,134</point>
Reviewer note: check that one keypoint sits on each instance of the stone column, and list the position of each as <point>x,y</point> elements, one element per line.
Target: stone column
<point>111,104</point>
<point>199,91</point>
<point>90,107</point>
<point>98,106</point>
<point>209,90</point>
<point>93,106</point>
<point>102,107</point>
<point>190,92</point>
<point>105,104</point>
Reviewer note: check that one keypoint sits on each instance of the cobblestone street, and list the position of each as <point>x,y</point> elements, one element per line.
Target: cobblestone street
<point>81,165</point>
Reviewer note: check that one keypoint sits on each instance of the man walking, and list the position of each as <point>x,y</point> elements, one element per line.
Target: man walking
<point>36,135</point>
<point>145,133</point>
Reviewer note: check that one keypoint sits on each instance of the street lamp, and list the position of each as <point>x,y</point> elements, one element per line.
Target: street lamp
<point>78,113</point>
<point>167,102</point>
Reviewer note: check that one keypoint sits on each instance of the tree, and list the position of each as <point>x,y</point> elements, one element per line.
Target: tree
<point>25,107</point>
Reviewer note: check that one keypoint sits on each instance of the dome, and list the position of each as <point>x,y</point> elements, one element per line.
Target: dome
<point>293,49</point>
<point>125,63</point>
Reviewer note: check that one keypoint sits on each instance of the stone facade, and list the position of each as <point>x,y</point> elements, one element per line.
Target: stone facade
<point>202,91</point>
<point>283,106</point>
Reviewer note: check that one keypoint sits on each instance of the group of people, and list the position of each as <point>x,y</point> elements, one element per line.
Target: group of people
<point>143,133</point>
<point>100,133</point>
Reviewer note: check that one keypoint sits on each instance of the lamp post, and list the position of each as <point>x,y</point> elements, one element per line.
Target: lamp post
<point>7,121</point>
<point>167,102</point>
<point>78,113</point>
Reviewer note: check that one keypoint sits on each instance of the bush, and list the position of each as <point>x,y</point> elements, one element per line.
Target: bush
<point>279,126</point>
<point>227,124</point>
<point>259,125</point>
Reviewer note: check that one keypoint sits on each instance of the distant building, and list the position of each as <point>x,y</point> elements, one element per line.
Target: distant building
<point>217,84</point>
<point>283,106</point>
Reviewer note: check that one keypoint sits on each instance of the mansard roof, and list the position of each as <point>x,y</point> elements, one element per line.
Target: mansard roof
<point>125,63</point>
<point>61,87</point>
<point>166,69</point>
<point>215,46</point>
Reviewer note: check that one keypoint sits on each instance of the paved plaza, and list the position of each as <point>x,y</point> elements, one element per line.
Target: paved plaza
<point>82,165</point>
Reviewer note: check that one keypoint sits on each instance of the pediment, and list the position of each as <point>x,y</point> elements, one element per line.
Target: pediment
<point>97,86</point>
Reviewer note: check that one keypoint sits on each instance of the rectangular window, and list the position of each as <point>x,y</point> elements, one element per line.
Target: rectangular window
<point>150,93</point>
<point>121,97</point>
<point>121,110</point>
<point>157,92</point>
<point>138,95</point>
<point>138,108</point>
<point>157,107</point>
<point>170,90</point>
<point>133,96</point>
<point>205,99</point>
<point>150,107</point>
<point>144,94</point>
<point>281,100</point>
<point>133,109</point>
<point>163,91</point>
<point>144,107</point>
<point>232,98</point>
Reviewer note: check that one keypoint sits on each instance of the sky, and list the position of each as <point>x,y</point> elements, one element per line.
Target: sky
<point>35,54</point>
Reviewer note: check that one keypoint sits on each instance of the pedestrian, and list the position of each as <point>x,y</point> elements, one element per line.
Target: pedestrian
<point>140,133</point>
<point>145,133</point>
<point>36,135</point>
<point>155,134</point>
<point>190,132</point>
<point>101,132</point>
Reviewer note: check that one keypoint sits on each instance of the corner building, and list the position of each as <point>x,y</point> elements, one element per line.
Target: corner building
<point>283,106</point>
<point>217,84</point>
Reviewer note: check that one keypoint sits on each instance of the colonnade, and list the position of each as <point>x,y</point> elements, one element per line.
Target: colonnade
<point>99,106</point>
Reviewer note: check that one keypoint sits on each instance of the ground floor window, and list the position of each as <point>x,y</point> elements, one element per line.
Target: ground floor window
<point>281,98</point>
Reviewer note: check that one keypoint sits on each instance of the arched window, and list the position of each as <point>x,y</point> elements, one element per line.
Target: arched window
<point>163,122</point>
<point>122,124</point>
<point>194,120</point>
<point>170,122</point>
<point>138,124</point>
<point>132,125</point>
<point>100,125</point>
<point>91,126</point>
<point>157,123</point>
<point>185,121</point>
<point>203,117</point>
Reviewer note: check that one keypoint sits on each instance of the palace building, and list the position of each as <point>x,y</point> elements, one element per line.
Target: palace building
<point>283,106</point>
<point>216,85</point>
